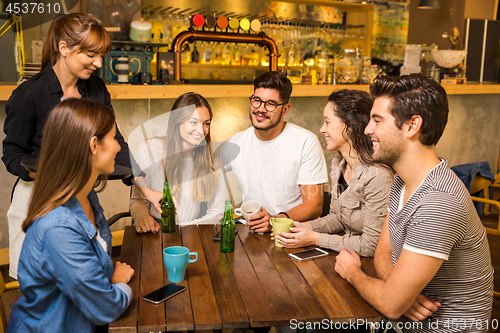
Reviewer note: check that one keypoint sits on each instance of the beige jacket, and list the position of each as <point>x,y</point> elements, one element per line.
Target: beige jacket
<point>359,211</point>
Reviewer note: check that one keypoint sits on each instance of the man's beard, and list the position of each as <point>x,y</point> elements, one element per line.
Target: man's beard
<point>388,156</point>
<point>271,125</point>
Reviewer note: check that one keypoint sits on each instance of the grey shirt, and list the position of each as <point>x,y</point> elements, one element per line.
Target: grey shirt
<point>359,211</point>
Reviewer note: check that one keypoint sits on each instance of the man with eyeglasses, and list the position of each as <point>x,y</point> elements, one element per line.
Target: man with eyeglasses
<point>280,165</point>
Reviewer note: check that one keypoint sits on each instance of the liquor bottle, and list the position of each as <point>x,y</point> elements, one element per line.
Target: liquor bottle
<point>153,67</point>
<point>255,57</point>
<point>291,55</point>
<point>235,59</point>
<point>227,55</point>
<point>186,54</point>
<point>298,57</point>
<point>167,210</point>
<point>216,53</point>
<point>282,56</point>
<point>195,55</point>
<point>227,229</point>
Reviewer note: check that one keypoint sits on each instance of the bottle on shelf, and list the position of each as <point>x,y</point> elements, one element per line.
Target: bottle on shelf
<point>227,229</point>
<point>153,67</point>
<point>255,58</point>
<point>291,55</point>
<point>216,53</point>
<point>195,55</point>
<point>298,57</point>
<point>226,55</point>
<point>264,57</point>
<point>167,210</point>
<point>282,57</point>
<point>246,57</point>
<point>186,54</point>
<point>206,57</point>
<point>236,58</point>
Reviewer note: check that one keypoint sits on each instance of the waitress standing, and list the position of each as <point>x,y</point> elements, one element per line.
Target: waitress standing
<point>72,51</point>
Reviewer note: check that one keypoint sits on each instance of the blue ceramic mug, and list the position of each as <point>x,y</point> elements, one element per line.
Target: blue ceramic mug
<point>176,259</point>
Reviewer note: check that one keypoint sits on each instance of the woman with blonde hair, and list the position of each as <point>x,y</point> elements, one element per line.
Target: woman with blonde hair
<point>184,158</point>
<point>66,275</point>
<point>72,51</point>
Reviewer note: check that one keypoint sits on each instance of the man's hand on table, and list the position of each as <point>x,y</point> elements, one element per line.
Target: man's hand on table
<point>259,222</point>
<point>346,263</point>
<point>147,224</point>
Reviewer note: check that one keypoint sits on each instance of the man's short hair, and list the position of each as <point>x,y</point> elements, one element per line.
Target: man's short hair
<point>412,95</point>
<point>275,80</point>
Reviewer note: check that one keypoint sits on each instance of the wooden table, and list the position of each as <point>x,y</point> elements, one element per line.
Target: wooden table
<point>257,285</point>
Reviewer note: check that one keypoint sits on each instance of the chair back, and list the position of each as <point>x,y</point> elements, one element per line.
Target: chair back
<point>479,183</point>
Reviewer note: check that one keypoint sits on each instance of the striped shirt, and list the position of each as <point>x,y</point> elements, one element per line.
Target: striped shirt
<point>439,220</point>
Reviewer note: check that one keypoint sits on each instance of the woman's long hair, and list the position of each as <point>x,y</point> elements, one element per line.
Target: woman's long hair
<point>203,177</point>
<point>80,31</point>
<point>65,163</point>
<point>353,108</point>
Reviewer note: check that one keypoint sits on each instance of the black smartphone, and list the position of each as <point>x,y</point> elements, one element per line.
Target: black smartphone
<point>164,293</point>
<point>217,235</point>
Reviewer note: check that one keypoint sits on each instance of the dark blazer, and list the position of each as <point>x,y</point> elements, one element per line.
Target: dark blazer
<point>27,110</point>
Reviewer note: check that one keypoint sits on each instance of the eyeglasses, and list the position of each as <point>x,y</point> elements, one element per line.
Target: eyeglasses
<point>270,106</point>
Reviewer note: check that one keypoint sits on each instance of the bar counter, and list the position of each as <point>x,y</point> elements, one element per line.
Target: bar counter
<point>119,91</point>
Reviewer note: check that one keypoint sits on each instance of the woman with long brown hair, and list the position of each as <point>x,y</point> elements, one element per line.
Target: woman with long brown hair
<point>72,51</point>
<point>66,275</point>
<point>360,189</point>
<point>184,158</point>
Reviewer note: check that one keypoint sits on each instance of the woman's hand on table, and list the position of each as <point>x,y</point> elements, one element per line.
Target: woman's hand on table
<point>301,235</point>
<point>147,224</point>
<point>422,308</point>
<point>122,273</point>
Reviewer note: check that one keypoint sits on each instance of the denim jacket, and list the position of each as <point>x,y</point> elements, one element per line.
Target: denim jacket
<point>65,274</point>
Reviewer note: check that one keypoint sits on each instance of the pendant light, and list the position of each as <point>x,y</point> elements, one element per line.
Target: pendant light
<point>429,4</point>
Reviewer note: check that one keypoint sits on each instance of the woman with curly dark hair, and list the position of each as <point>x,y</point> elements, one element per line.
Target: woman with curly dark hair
<point>360,189</point>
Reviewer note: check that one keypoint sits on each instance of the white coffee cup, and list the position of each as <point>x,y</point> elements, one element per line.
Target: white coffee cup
<point>248,209</point>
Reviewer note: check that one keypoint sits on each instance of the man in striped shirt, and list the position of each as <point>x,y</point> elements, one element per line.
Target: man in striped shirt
<point>432,260</point>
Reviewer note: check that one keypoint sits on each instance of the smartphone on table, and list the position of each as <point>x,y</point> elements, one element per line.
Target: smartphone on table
<point>164,293</point>
<point>308,254</point>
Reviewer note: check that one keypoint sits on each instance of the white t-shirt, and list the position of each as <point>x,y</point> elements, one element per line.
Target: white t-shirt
<point>271,171</point>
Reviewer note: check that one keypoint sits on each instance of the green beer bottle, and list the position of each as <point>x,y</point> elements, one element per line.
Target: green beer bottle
<point>167,210</point>
<point>227,229</point>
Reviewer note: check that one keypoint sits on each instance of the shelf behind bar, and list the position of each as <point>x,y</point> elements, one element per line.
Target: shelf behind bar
<point>345,6</point>
<point>118,91</point>
<point>217,91</point>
